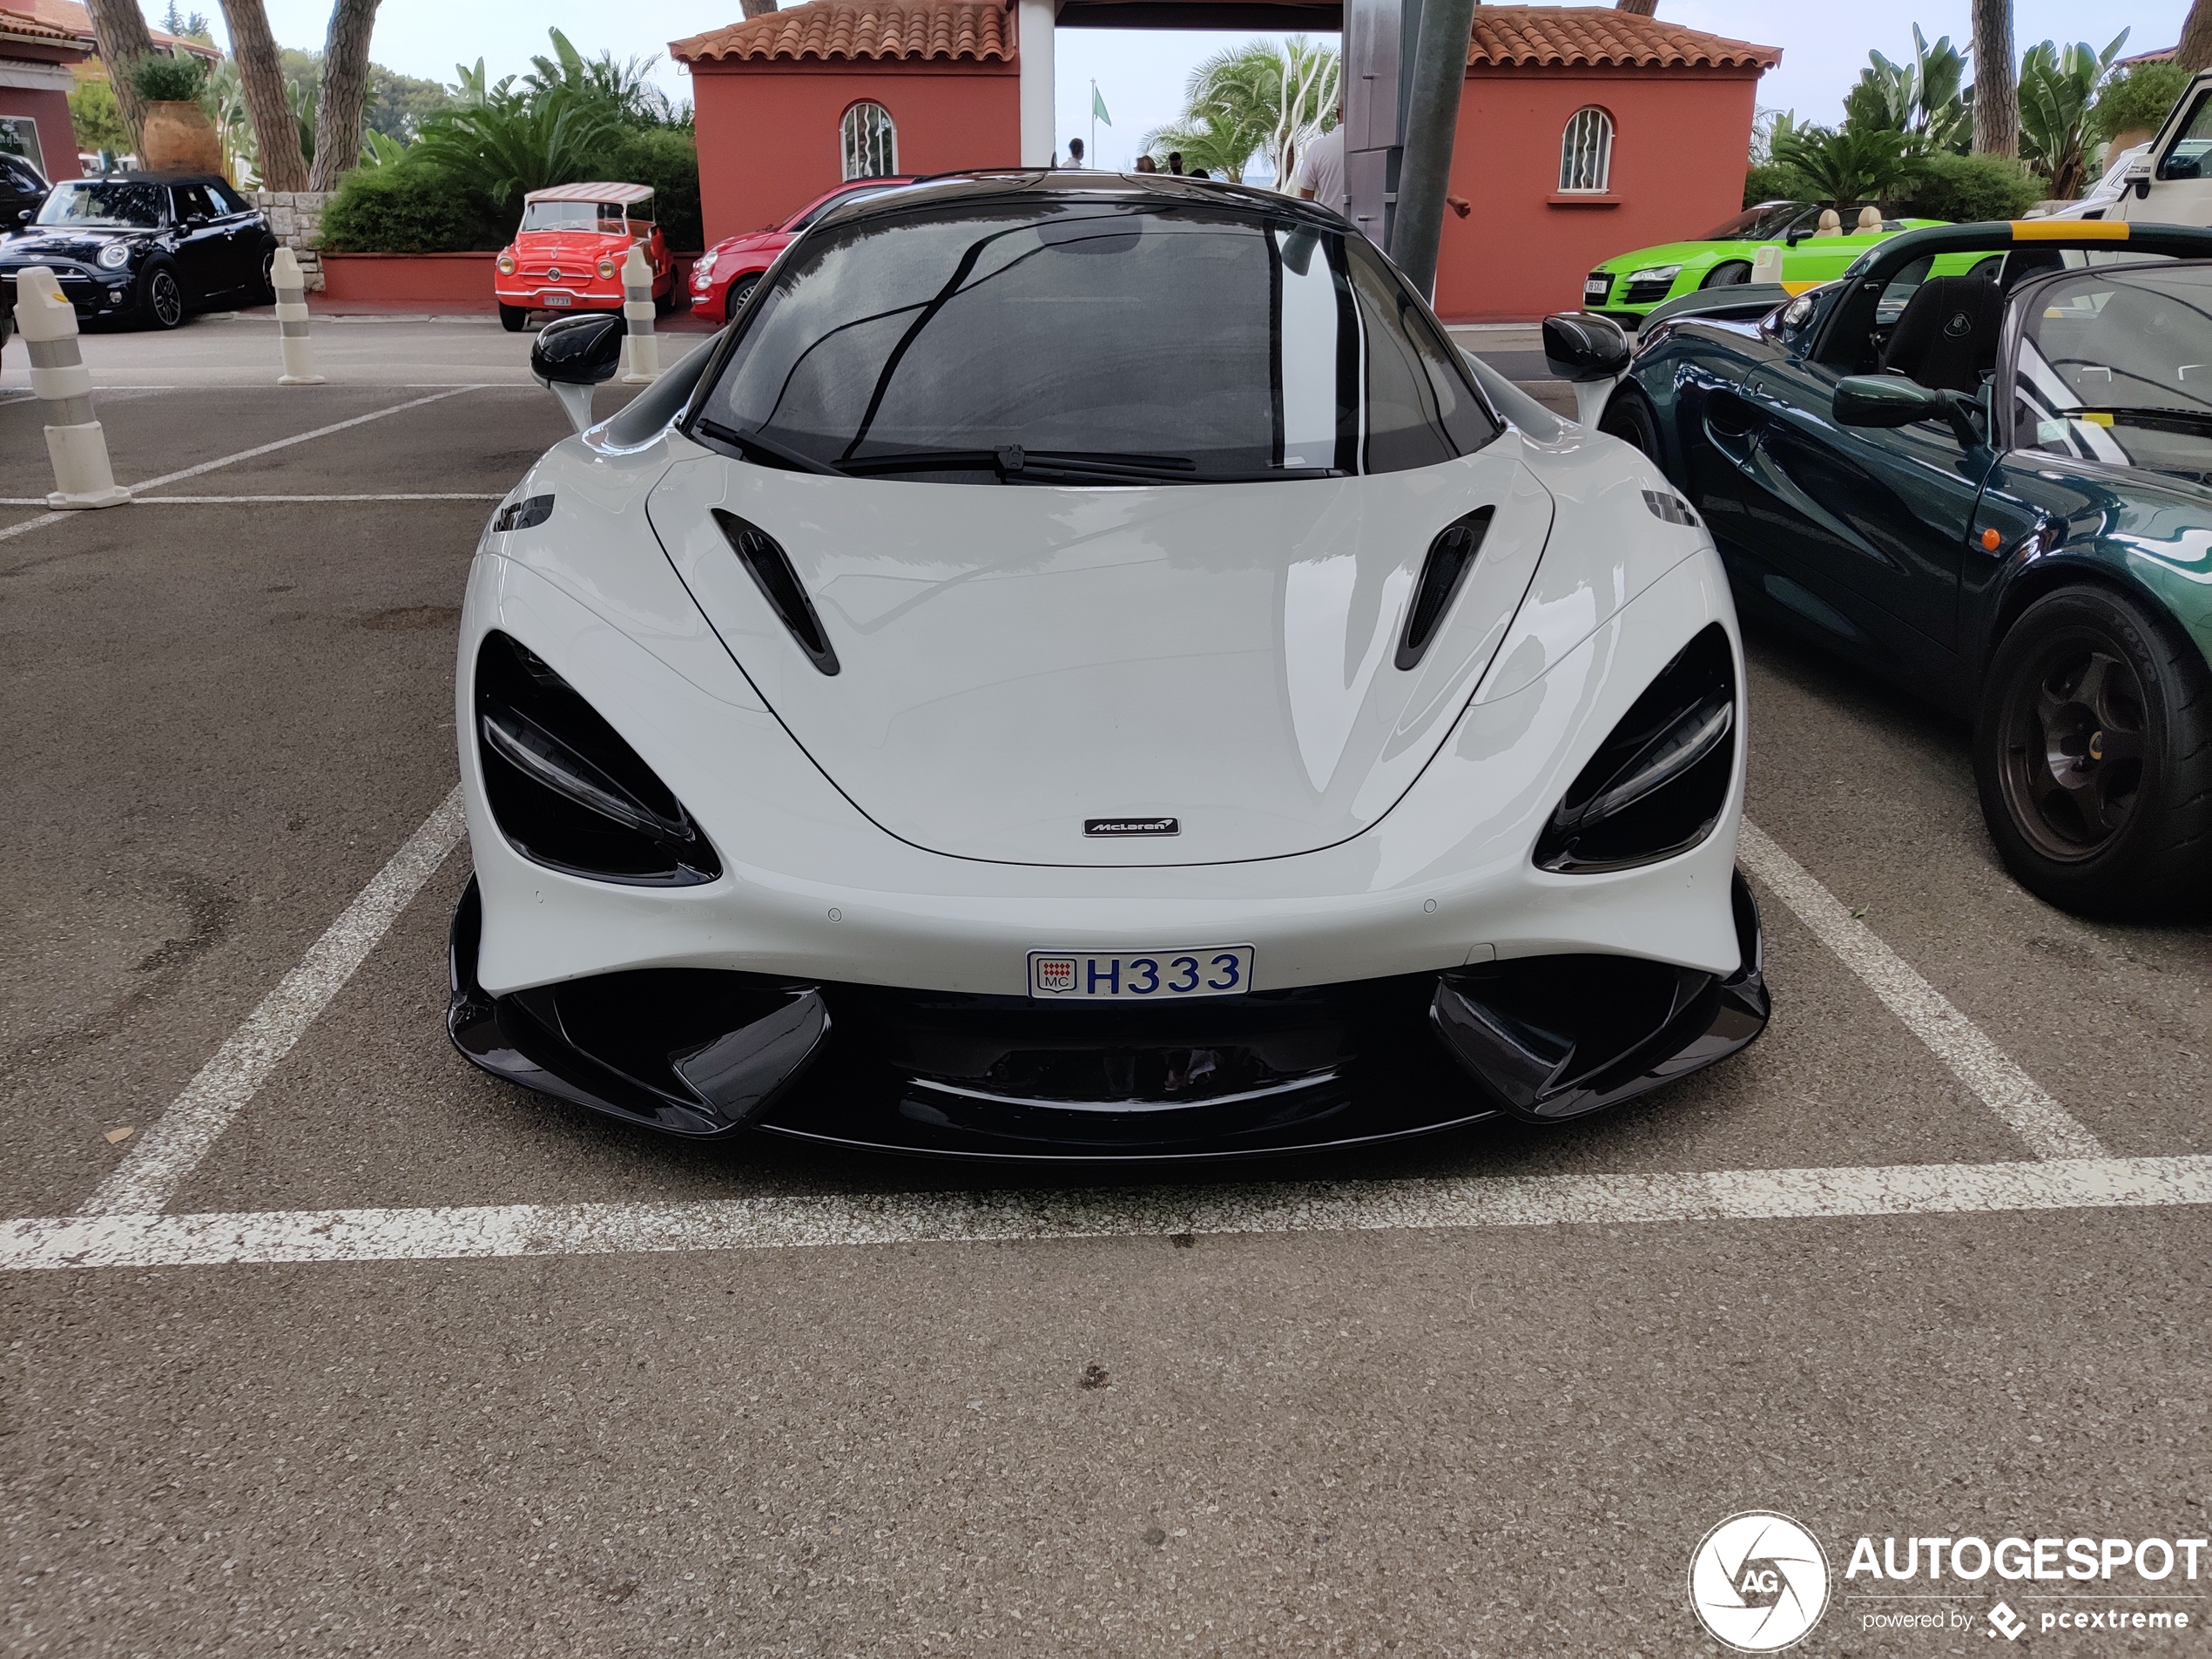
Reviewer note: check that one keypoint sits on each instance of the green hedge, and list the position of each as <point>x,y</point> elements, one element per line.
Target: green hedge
<point>1968,189</point>
<point>2142,95</point>
<point>160,79</point>
<point>668,161</point>
<point>407,210</point>
<point>1772,184</point>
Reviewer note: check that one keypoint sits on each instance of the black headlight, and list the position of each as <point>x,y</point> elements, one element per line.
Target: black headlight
<point>1657,786</point>
<point>567,792</point>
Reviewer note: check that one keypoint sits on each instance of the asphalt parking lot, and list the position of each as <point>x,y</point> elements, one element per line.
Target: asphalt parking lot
<point>348,1349</point>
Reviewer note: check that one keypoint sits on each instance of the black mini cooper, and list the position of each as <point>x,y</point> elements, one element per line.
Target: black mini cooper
<point>151,247</point>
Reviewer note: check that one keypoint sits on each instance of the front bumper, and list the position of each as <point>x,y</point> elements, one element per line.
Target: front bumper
<point>93,295</point>
<point>705,1054</point>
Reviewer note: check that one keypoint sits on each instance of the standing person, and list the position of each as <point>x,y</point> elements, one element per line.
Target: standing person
<point>1320,170</point>
<point>1145,164</point>
<point>1075,152</point>
<point>1174,162</point>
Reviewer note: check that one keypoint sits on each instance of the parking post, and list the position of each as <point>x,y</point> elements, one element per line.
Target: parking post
<point>74,441</point>
<point>292,319</point>
<point>640,348</point>
<point>1766,266</point>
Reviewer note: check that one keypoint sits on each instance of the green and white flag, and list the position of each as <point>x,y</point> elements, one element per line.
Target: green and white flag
<point>1098,106</point>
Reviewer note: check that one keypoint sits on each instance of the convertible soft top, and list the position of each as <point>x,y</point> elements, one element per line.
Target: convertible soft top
<point>623,193</point>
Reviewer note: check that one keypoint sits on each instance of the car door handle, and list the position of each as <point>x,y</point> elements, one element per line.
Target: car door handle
<point>1733,423</point>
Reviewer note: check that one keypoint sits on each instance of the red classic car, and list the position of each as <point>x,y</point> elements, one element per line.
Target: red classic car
<point>724,278</point>
<point>567,254</point>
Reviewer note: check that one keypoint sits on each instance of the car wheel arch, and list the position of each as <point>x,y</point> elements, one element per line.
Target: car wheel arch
<point>2053,573</point>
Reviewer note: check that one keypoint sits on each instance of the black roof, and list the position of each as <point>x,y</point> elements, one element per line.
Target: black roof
<point>151,178</point>
<point>1073,186</point>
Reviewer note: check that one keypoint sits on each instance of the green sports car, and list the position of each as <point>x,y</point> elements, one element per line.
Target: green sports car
<point>1627,288</point>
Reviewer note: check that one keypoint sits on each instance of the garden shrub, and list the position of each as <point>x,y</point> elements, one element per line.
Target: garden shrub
<point>160,79</point>
<point>2140,97</point>
<point>1768,182</point>
<point>668,161</point>
<point>1968,189</point>
<point>407,209</point>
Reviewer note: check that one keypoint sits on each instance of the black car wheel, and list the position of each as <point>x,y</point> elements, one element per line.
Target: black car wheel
<point>163,303</point>
<point>1628,418</point>
<point>1732,274</point>
<point>2094,754</point>
<point>265,293</point>
<point>511,318</point>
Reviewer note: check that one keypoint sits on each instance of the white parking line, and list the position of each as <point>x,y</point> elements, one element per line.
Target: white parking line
<point>2049,1130</point>
<point>144,1241</point>
<point>233,501</point>
<point>158,1162</point>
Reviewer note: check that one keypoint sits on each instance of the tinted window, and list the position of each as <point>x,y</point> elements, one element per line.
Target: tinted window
<point>2110,366</point>
<point>225,200</point>
<point>107,203</point>
<point>192,203</point>
<point>1192,342</point>
<point>2185,158</point>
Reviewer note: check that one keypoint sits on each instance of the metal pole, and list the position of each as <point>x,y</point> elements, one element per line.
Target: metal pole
<point>1432,121</point>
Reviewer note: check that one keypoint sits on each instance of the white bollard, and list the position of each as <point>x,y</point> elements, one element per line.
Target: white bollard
<point>83,477</point>
<point>640,346</point>
<point>292,319</point>
<point>1767,265</point>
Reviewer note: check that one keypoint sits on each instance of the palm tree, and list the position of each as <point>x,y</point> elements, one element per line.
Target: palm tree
<point>1267,97</point>
<point>1997,109</point>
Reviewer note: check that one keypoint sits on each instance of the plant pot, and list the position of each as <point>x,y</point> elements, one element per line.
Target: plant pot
<point>177,136</point>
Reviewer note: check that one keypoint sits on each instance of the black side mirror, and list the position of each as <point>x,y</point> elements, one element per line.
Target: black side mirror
<point>1892,400</point>
<point>574,355</point>
<point>1581,346</point>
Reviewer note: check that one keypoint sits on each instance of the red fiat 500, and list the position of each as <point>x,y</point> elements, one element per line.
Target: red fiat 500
<point>725,274</point>
<point>567,254</point>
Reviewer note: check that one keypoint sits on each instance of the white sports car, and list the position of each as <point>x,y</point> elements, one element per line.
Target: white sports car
<point>1081,668</point>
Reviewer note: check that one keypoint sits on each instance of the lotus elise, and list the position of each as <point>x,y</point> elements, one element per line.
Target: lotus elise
<point>1081,668</point>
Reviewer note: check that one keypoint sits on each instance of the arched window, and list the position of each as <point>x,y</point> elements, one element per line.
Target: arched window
<point>871,142</point>
<point>1586,153</point>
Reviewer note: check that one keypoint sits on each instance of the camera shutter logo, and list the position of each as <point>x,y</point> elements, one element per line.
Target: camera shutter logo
<point>1759,1582</point>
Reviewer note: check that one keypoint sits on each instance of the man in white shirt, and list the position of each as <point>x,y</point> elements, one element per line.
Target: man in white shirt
<point>1320,175</point>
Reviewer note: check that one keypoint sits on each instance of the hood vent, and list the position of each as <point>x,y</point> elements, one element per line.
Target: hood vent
<point>770,567</point>
<point>1451,556</point>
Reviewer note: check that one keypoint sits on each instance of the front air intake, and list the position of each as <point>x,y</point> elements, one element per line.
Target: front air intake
<point>564,788</point>
<point>1451,556</point>
<point>1657,784</point>
<point>769,566</point>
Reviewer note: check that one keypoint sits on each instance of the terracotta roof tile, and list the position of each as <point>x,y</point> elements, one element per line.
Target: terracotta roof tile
<point>1601,38</point>
<point>834,31</point>
<point>25,24</point>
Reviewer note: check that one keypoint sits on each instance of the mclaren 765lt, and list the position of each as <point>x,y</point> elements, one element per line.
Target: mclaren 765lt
<point>1081,668</point>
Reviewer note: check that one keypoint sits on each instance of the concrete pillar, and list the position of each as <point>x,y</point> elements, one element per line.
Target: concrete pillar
<point>1033,41</point>
<point>75,443</point>
<point>291,320</point>
<point>640,346</point>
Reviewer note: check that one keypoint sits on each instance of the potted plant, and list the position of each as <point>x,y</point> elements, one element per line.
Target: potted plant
<point>176,135</point>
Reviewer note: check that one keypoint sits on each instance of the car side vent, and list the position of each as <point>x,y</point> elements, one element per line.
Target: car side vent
<point>770,569</point>
<point>1673,509</point>
<point>1451,556</point>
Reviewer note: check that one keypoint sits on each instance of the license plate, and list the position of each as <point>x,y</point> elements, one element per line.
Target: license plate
<point>1595,290</point>
<point>1140,976</point>
<point>556,301</point>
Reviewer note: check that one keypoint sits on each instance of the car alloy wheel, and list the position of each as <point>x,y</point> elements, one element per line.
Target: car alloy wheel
<point>741,291</point>
<point>2094,753</point>
<point>165,299</point>
<point>267,293</point>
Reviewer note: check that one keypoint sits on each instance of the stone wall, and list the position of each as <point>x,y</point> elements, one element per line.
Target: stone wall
<point>296,217</point>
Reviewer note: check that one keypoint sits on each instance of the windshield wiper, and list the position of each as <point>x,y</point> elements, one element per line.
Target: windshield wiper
<point>1015,461</point>
<point>2198,419</point>
<point>775,453</point>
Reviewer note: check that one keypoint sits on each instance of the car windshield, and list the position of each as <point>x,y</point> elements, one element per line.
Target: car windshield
<point>109,204</point>
<point>2116,366</point>
<point>1064,342</point>
<point>606,218</point>
<point>1760,223</point>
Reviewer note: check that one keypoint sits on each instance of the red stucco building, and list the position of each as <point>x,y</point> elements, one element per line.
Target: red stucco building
<point>36,56</point>
<point>1584,131</point>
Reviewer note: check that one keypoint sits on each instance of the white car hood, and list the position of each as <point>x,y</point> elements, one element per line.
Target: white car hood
<point>1016,660</point>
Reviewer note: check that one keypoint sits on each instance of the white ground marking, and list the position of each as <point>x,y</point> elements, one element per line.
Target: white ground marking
<point>2025,1106</point>
<point>160,1159</point>
<point>232,501</point>
<point>12,531</point>
<point>142,1241</point>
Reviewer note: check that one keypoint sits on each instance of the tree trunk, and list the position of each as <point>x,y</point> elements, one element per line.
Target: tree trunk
<point>120,29</point>
<point>1642,8</point>
<point>345,93</point>
<point>757,8</point>
<point>282,164</point>
<point>1997,98</point>
<point>2196,50</point>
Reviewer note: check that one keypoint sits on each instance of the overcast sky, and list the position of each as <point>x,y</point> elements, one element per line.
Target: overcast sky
<point>1140,73</point>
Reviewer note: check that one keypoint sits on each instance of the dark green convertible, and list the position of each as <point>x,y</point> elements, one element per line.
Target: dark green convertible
<point>1994,489</point>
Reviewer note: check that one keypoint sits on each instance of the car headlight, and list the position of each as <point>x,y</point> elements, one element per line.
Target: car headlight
<point>1656,273</point>
<point>507,265</point>
<point>115,256</point>
<point>704,269</point>
<point>1657,784</point>
<point>606,269</point>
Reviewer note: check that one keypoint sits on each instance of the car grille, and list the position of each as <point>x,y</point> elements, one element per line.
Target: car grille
<point>1595,289</point>
<point>1646,293</point>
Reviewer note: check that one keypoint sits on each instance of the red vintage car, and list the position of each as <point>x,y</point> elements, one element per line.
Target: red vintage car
<point>567,254</point>
<point>725,276</point>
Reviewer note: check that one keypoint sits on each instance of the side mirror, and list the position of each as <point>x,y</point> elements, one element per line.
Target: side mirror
<point>23,215</point>
<point>1580,346</point>
<point>1892,400</point>
<point>574,355</point>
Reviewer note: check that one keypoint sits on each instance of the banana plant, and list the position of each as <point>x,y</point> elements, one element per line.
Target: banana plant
<point>2057,89</point>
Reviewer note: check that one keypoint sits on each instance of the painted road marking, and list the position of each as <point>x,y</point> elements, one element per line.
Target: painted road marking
<point>159,1161</point>
<point>2049,1130</point>
<point>487,1230</point>
<point>232,501</point>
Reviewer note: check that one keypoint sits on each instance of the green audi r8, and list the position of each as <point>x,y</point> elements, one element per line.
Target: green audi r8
<point>1994,489</point>
<point>1627,288</point>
